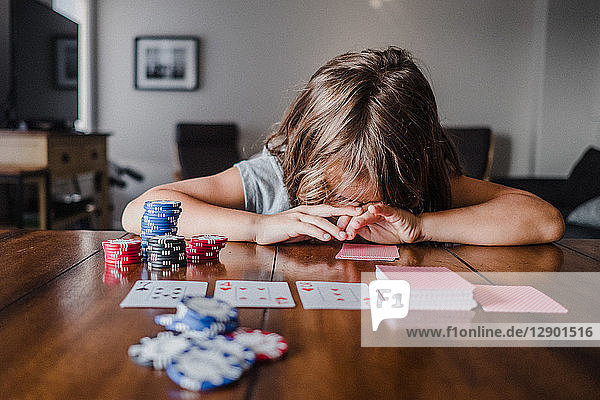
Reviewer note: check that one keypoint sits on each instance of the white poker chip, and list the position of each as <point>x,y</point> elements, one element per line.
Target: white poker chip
<point>266,345</point>
<point>227,345</point>
<point>200,307</point>
<point>158,351</point>
<point>198,369</point>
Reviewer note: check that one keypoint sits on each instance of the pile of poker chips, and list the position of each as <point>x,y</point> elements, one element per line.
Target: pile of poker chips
<point>202,350</point>
<point>122,252</point>
<point>166,251</point>
<point>205,247</point>
<point>160,218</point>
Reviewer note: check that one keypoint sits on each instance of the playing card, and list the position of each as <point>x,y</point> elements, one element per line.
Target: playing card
<point>515,299</point>
<point>353,251</point>
<point>333,295</point>
<point>162,294</point>
<point>255,293</point>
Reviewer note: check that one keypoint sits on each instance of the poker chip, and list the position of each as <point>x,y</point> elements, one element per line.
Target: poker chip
<point>121,243</point>
<point>266,345</point>
<point>198,369</point>
<point>157,352</point>
<point>207,307</point>
<point>122,251</point>
<point>205,247</point>
<point>123,260</point>
<point>166,251</point>
<point>227,346</point>
<point>208,239</point>
<point>162,204</point>
<point>159,219</point>
<point>202,250</point>
<point>197,330</point>
<point>166,264</point>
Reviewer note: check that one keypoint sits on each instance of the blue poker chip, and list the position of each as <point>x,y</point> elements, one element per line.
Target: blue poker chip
<point>200,369</point>
<point>200,307</point>
<point>161,214</point>
<point>158,226</point>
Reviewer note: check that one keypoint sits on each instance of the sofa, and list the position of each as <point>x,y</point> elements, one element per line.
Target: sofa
<point>577,197</point>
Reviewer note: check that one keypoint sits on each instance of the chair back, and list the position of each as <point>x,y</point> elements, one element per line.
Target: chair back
<point>475,150</point>
<point>206,149</point>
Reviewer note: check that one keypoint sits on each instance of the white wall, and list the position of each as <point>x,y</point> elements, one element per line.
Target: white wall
<point>483,58</point>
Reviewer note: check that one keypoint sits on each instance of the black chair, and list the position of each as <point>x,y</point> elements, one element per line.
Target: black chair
<point>475,149</point>
<point>206,149</point>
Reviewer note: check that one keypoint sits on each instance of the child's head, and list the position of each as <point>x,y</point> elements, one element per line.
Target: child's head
<point>365,128</point>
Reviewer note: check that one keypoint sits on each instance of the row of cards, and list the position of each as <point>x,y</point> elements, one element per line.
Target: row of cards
<point>261,294</point>
<point>323,295</point>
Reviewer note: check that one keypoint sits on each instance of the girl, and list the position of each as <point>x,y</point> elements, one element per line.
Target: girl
<point>360,152</point>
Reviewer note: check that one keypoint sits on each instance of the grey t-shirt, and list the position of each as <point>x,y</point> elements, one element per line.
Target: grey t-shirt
<point>264,191</point>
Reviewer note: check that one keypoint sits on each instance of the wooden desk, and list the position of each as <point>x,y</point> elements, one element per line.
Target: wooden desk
<point>64,335</point>
<point>64,155</point>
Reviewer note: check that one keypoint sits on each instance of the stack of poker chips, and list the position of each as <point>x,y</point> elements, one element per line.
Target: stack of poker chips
<point>202,351</point>
<point>205,247</point>
<point>122,252</point>
<point>166,251</point>
<point>160,218</point>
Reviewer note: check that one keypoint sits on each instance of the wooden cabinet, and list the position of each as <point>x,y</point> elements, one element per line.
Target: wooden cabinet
<point>64,155</point>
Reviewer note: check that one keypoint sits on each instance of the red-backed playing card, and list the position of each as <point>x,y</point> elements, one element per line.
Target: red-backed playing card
<point>367,252</point>
<point>515,299</point>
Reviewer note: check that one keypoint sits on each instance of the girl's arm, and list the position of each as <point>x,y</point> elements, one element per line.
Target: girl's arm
<point>486,213</point>
<point>483,213</point>
<point>214,204</point>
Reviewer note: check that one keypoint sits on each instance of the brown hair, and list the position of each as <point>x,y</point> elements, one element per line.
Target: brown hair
<point>366,118</point>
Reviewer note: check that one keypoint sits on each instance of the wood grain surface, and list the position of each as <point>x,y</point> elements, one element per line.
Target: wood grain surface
<point>32,258</point>
<point>588,247</point>
<point>69,339</point>
<point>65,336</point>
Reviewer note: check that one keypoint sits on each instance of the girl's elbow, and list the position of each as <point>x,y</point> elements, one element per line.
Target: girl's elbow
<point>554,227</point>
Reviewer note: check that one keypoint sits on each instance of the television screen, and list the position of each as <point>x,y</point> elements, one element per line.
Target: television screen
<point>43,65</point>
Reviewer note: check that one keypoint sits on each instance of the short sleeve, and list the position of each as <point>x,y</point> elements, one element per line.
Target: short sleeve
<point>262,178</point>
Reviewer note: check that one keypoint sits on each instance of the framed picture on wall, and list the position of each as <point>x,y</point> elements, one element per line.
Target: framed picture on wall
<point>166,63</point>
<point>65,62</point>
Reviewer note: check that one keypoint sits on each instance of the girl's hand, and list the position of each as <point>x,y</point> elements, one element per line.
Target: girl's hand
<point>384,224</point>
<point>302,223</point>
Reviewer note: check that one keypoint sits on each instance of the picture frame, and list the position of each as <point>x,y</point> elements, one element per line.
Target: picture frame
<point>166,63</point>
<point>65,62</point>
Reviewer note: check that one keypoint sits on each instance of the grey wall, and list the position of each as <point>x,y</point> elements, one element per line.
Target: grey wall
<point>485,59</point>
<point>571,106</point>
<point>4,55</point>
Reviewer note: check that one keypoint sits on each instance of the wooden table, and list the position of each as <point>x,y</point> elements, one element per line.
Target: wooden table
<point>65,337</point>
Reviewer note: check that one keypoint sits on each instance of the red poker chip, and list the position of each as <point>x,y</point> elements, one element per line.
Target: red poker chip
<point>267,345</point>
<point>123,251</point>
<point>202,251</point>
<point>123,258</point>
<point>208,239</point>
<point>122,242</point>
<point>128,260</point>
<point>196,245</point>
<point>119,264</point>
<point>200,259</point>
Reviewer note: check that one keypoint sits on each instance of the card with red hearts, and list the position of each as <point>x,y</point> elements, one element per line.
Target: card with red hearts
<point>260,294</point>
